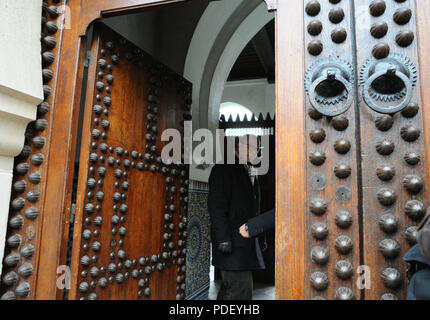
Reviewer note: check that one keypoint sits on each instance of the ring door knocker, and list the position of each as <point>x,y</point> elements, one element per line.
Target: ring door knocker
<point>328,84</point>
<point>388,83</point>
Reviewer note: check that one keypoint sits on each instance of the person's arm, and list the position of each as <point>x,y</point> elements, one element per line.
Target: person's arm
<point>258,224</point>
<point>218,206</point>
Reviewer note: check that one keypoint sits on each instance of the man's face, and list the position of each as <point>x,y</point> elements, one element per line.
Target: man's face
<point>251,148</point>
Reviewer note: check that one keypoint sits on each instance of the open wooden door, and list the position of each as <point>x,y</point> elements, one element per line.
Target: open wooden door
<point>129,239</point>
<point>354,184</point>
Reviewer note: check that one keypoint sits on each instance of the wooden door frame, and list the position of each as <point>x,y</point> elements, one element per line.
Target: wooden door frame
<point>290,157</point>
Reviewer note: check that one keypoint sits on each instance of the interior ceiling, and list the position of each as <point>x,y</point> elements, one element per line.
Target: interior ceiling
<point>257,60</point>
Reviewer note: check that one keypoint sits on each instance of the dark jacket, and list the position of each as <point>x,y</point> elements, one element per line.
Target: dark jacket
<point>261,223</point>
<point>232,201</point>
<point>418,275</point>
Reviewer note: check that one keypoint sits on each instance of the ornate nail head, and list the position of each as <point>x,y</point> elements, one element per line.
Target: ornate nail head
<point>415,209</point>
<point>22,168</point>
<point>410,133</point>
<point>336,15</point>
<point>37,159</point>
<point>411,235</point>
<point>404,38</point>
<point>27,251</point>
<point>385,147</point>
<point>402,15</point>
<point>39,142</point>
<point>14,241</point>
<point>47,58</point>
<point>43,108</point>
<point>385,172</point>
<point>25,152</point>
<point>377,8</point>
<point>413,183</point>
<point>344,293</point>
<point>343,219</point>
<point>384,122</point>
<point>315,27</point>
<point>386,196</point>
<point>411,110</point>
<point>18,204</point>
<point>317,135</point>
<point>379,29</point>
<point>12,259</point>
<point>10,279</point>
<point>388,223</point>
<point>340,123</point>
<point>343,244</point>
<point>313,8</point>
<point>342,171</point>
<point>317,158</point>
<point>85,261</point>
<point>412,158</point>
<point>23,289</point>
<point>20,186</point>
<point>343,269</point>
<point>391,277</point>
<point>315,47</point>
<point>389,248</point>
<point>25,270</point>
<point>389,296</point>
<point>314,114</point>
<point>320,255</point>
<point>338,35</point>
<point>319,280</point>
<point>16,222</point>
<point>381,50</point>
<point>318,206</point>
<point>342,146</point>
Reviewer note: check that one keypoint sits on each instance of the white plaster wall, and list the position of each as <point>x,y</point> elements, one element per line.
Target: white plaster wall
<point>257,95</point>
<point>21,88</point>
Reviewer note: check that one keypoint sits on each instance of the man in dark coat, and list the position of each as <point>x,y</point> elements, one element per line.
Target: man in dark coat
<point>234,199</point>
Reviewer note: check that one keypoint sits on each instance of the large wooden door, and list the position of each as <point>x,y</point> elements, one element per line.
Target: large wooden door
<point>129,239</point>
<point>359,175</point>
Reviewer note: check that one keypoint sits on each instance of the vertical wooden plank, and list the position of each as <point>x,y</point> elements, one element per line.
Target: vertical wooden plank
<point>423,38</point>
<point>384,173</point>
<point>51,247</point>
<point>83,168</point>
<point>290,152</point>
<point>335,181</point>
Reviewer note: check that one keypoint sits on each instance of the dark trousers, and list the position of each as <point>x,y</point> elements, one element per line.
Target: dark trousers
<point>235,285</point>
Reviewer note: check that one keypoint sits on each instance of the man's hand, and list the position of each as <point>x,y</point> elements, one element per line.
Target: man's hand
<point>242,230</point>
<point>225,247</point>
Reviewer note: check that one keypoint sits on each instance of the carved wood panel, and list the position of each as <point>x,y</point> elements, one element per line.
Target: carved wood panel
<point>366,165</point>
<point>130,228</point>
